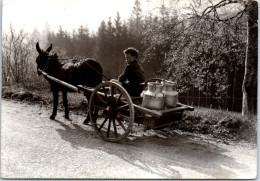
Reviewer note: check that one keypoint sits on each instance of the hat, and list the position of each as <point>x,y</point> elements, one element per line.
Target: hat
<point>132,51</point>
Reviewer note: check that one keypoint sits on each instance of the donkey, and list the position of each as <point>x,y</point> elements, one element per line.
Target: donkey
<point>86,72</point>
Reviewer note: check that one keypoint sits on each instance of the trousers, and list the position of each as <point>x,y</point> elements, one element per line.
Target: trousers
<point>133,89</point>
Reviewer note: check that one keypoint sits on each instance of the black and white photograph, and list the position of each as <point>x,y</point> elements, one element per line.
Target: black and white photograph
<point>129,89</point>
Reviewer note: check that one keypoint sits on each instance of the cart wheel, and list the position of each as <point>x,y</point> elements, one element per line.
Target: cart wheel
<point>111,111</point>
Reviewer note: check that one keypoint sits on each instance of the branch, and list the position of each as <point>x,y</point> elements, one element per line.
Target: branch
<point>213,9</point>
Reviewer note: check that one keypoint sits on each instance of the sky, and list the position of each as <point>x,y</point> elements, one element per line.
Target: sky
<point>70,14</point>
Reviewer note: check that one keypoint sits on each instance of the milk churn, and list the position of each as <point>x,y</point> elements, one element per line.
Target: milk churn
<point>171,95</point>
<point>153,98</point>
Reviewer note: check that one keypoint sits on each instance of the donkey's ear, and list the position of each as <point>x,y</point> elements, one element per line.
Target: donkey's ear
<point>38,48</point>
<point>49,49</point>
<point>55,55</point>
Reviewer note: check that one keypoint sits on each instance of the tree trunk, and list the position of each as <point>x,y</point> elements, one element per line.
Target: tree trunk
<point>249,87</point>
<point>234,88</point>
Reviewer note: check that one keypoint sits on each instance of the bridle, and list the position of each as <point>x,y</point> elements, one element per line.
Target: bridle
<point>45,66</point>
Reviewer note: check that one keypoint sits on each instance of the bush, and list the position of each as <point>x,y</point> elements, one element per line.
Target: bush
<point>219,124</point>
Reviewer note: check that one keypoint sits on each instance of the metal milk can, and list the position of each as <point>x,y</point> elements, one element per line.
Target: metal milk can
<point>171,95</point>
<point>153,98</point>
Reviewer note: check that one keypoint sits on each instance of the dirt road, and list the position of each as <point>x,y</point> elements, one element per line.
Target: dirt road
<point>33,146</point>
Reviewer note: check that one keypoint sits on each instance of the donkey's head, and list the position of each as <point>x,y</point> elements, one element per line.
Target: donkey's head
<point>43,58</point>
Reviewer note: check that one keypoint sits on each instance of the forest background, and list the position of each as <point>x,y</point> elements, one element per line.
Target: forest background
<point>204,55</point>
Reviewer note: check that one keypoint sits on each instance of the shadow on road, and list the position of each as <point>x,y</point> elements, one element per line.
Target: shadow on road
<point>167,157</point>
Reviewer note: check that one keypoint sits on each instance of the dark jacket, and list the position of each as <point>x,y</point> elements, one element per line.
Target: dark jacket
<point>133,72</point>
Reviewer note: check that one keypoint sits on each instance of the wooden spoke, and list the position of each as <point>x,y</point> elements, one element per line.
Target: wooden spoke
<point>121,124</point>
<point>122,107</point>
<point>101,126</point>
<point>115,129</point>
<point>108,129</point>
<point>101,116</point>
<point>117,100</point>
<point>124,116</point>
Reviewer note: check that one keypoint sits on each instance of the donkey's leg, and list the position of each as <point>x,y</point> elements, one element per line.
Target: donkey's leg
<point>65,104</point>
<point>55,103</point>
<point>87,120</point>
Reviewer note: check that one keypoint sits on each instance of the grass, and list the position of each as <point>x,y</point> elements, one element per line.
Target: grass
<point>224,125</point>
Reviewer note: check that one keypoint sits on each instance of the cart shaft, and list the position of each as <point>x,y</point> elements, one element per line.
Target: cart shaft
<point>59,81</point>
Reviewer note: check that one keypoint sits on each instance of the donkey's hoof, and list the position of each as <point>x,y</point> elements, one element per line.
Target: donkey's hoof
<point>86,122</point>
<point>67,117</point>
<point>52,117</point>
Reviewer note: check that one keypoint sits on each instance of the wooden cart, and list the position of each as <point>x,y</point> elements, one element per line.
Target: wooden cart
<point>113,111</point>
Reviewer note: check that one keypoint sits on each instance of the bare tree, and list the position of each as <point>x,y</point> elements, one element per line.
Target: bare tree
<point>17,56</point>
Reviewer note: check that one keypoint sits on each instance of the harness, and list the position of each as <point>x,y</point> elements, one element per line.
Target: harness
<point>100,73</point>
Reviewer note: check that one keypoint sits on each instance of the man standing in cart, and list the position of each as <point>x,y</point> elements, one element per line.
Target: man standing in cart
<point>133,74</point>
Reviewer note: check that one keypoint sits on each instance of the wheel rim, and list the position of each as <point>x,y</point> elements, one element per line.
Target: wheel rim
<point>111,111</point>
